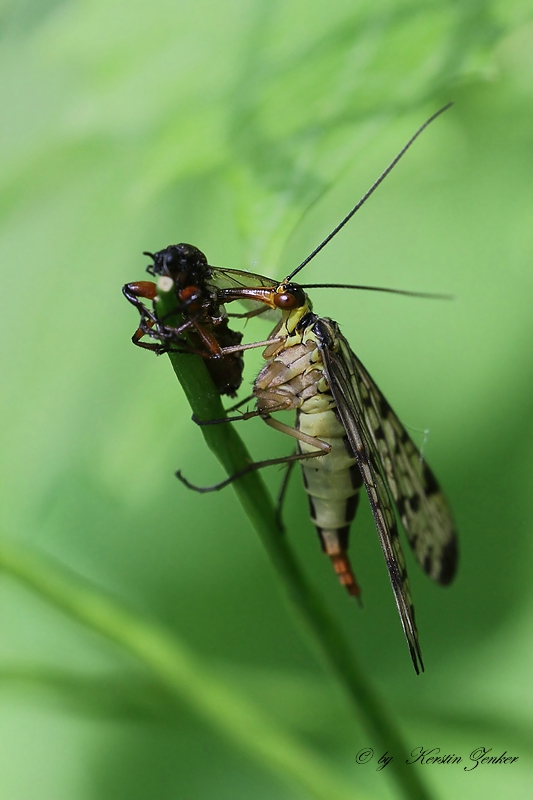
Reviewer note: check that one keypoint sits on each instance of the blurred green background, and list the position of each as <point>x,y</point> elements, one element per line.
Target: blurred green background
<point>249,128</point>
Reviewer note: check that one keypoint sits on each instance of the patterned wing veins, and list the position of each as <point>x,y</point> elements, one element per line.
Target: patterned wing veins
<point>339,367</point>
<point>421,505</point>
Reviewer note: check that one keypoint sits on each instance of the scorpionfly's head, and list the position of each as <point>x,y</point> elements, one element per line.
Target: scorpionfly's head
<point>289,297</point>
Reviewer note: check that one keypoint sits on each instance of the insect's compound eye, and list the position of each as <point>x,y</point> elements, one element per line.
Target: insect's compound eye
<point>191,297</point>
<point>290,298</point>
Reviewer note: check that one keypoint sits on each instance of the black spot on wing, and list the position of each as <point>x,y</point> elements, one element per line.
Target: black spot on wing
<point>414,502</point>
<point>400,505</point>
<point>379,432</point>
<point>384,407</point>
<point>431,485</point>
<point>423,509</point>
<point>339,369</point>
<point>449,558</point>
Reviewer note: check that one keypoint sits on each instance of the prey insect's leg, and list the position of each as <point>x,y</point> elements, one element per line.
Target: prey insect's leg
<point>150,324</point>
<point>134,291</point>
<point>166,338</point>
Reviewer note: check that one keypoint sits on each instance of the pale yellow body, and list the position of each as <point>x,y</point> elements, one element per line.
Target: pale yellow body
<point>293,379</point>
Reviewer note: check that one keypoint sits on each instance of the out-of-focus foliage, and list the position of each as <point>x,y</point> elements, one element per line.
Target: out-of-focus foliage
<point>249,128</point>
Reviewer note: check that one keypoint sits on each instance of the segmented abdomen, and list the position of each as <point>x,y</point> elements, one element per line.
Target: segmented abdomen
<point>293,378</point>
<point>332,483</point>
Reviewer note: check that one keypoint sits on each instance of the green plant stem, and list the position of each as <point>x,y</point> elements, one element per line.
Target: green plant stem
<point>228,447</point>
<point>184,677</point>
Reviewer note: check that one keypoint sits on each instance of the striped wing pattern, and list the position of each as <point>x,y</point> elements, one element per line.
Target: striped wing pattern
<point>364,428</point>
<point>421,505</point>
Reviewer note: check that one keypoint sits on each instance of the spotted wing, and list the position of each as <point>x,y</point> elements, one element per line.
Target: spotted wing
<point>340,371</point>
<point>421,505</point>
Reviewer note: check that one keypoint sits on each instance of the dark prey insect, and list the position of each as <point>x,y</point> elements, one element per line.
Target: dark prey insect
<point>347,435</point>
<point>204,329</point>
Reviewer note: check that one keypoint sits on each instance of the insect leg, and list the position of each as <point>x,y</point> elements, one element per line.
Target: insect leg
<point>250,314</point>
<point>322,449</point>
<point>281,495</point>
<point>239,348</point>
<point>167,336</point>
<point>250,468</point>
<point>228,411</point>
<point>150,325</point>
<point>240,403</point>
<point>283,406</point>
<point>133,292</point>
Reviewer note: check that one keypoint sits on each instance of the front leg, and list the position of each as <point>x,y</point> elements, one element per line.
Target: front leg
<point>133,292</point>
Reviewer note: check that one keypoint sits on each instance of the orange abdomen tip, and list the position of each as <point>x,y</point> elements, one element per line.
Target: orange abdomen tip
<point>343,568</point>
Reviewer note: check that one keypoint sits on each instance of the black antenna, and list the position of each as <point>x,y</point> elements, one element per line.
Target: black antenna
<point>426,295</point>
<point>372,189</point>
